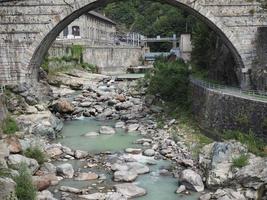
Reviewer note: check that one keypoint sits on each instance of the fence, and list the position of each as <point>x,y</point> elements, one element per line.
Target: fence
<point>230,90</point>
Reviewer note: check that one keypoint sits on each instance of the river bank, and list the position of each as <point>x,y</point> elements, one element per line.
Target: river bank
<point>118,111</point>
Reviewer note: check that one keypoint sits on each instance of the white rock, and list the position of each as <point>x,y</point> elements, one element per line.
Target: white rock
<point>80,154</point>
<point>181,189</point>
<point>133,151</point>
<point>192,180</point>
<point>16,159</point>
<point>107,130</point>
<point>95,196</point>
<point>132,127</point>
<point>91,134</point>
<point>127,176</point>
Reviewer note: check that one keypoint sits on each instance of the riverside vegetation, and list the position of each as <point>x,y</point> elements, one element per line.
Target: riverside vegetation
<point>160,116</point>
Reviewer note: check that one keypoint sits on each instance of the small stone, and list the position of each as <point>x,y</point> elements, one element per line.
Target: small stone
<point>70,189</point>
<point>86,176</point>
<point>95,196</point>
<point>149,152</point>
<point>181,189</point>
<point>120,125</point>
<point>91,134</point>
<point>132,127</point>
<point>133,151</point>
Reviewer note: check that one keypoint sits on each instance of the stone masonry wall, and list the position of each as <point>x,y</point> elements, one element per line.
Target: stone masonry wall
<point>3,110</point>
<point>217,112</point>
<point>109,59</point>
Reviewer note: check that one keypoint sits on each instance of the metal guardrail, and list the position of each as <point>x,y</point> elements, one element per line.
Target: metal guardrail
<point>229,90</point>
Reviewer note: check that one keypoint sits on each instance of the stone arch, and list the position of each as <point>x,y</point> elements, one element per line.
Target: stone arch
<point>229,19</point>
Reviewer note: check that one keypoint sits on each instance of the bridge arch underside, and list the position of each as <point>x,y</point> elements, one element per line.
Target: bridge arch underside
<point>213,13</point>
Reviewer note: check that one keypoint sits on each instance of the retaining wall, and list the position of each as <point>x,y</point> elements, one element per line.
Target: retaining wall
<point>216,111</point>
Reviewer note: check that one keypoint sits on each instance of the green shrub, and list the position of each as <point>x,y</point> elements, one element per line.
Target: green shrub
<point>241,161</point>
<point>25,189</point>
<point>169,80</point>
<point>9,125</point>
<point>35,153</point>
<point>4,172</point>
<point>254,144</point>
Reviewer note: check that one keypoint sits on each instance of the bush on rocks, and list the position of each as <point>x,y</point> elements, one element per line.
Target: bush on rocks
<point>25,189</point>
<point>9,126</point>
<point>36,153</point>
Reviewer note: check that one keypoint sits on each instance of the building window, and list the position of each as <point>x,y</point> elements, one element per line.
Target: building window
<point>76,30</point>
<point>66,32</point>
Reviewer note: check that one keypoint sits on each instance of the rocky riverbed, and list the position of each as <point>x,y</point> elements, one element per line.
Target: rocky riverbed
<point>74,172</point>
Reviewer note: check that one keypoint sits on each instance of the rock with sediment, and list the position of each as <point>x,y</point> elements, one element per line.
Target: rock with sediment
<point>133,151</point>
<point>45,195</point>
<point>91,134</point>
<point>95,196</point>
<point>132,127</point>
<point>125,176</point>
<point>70,189</point>
<point>80,154</point>
<point>149,152</point>
<point>86,176</point>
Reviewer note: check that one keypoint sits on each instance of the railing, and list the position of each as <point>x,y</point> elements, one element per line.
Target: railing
<point>229,90</point>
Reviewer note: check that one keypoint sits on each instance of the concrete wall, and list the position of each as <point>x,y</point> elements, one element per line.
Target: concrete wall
<point>109,59</point>
<point>217,112</point>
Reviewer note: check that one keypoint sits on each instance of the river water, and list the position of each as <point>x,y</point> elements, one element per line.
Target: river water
<point>158,187</point>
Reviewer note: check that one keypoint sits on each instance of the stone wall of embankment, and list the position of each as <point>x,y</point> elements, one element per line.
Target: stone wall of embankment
<point>3,110</point>
<point>216,111</point>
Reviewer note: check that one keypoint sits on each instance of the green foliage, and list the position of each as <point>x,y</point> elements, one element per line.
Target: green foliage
<point>9,125</point>
<point>242,120</point>
<point>90,67</point>
<point>241,161</point>
<point>4,172</point>
<point>25,189</point>
<point>170,80</point>
<point>35,153</point>
<point>254,144</point>
<point>150,18</point>
<point>77,53</point>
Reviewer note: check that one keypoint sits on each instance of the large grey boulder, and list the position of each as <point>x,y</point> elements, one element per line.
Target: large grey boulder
<point>130,190</point>
<point>115,196</point>
<point>228,194</point>
<point>44,124</point>
<point>63,106</point>
<point>107,130</point>
<point>15,160</point>
<point>216,160</point>
<point>65,170</point>
<point>191,180</point>
<point>45,195</point>
<point>7,188</point>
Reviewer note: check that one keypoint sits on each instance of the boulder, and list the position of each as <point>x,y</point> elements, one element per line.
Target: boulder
<point>149,152</point>
<point>95,196</point>
<point>130,190</point>
<point>115,196</point>
<point>121,98</point>
<point>63,106</point>
<point>139,168</point>
<point>107,130</point>
<point>228,194</point>
<point>181,189</point>
<point>86,176</point>
<point>216,160</point>
<point>7,188</point>
<point>44,124</point>
<point>191,180</point>
<point>14,145</point>
<point>45,195</point>
<point>120,125</point>
<point>43,182</point>
<point>133,151</point>
<point>70,189</point>
<point>127,176</point>
<point>65,170</point>
<point>15,161</point>
<point>48,168</point>
<point>132,127</point>
<point>4,150</point>
<point>80,154</point>
<point>53,151</point>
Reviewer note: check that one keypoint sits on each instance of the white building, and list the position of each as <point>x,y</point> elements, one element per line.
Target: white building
<point>90,29</point>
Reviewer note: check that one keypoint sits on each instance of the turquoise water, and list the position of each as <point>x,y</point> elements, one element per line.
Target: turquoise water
<point>73,132</point>
<point>158,187</point>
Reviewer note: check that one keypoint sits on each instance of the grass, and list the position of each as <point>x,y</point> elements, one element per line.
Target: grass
<point>4,172</point>
<point>25,189</point>
<point>241,161</point>
<point>254,144</point>
<point>9,126</point>
<point>35,153</point>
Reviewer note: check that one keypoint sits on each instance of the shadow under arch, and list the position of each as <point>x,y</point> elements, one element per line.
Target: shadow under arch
<point>45,44</point>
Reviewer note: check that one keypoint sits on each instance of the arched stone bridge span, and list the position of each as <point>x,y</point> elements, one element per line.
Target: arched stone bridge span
<point>28,28</point>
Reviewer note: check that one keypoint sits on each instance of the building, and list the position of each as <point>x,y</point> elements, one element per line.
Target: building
<point>90,29</point>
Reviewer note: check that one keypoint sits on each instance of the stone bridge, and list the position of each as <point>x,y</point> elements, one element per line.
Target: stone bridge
<point>29,27</point>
